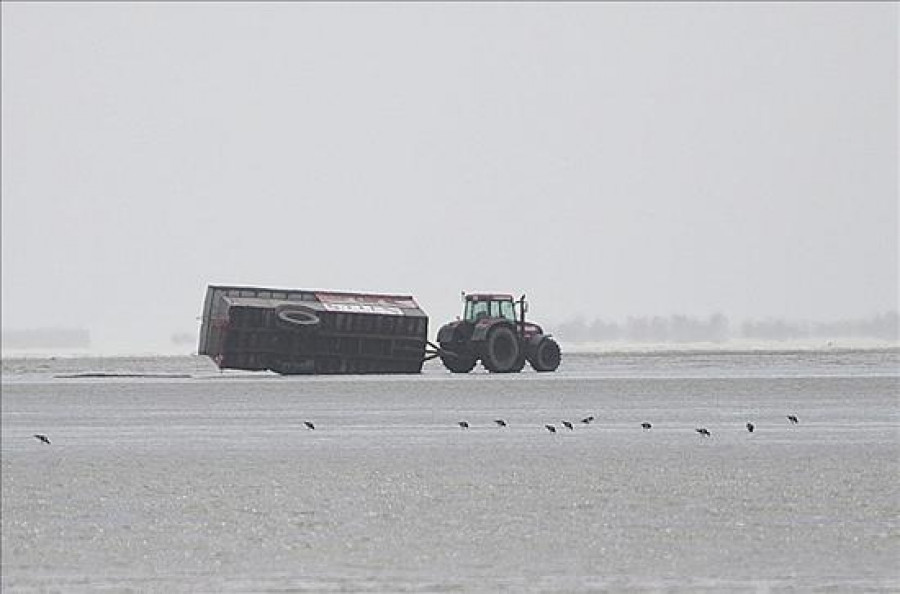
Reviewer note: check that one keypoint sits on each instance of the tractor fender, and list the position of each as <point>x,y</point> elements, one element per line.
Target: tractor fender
<point>484,327</point>
<point>531,329</point>
<point>454,332</point>
<point>531,344</point>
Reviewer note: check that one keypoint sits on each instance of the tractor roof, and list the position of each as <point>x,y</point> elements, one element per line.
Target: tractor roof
<point>488,297</point>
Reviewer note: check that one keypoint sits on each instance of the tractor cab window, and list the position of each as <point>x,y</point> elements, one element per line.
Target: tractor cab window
<point>475,310</point>
<point>503,309</point>
<point>495,309</point>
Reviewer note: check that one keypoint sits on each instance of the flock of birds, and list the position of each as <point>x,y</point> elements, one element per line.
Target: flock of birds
<point>502,423</point>
<point>645,425</point>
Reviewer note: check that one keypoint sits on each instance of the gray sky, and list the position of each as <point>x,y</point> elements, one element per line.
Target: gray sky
<point>607,159</point>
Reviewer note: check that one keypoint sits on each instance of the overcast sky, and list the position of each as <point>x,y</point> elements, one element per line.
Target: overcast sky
<point>606,159</point>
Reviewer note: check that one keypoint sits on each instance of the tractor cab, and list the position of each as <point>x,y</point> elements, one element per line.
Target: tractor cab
<point>480,306</point>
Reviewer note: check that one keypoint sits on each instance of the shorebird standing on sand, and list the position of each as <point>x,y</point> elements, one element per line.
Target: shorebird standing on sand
<point>703,431</point>
<point>646,425</point>
<point>793,419</point>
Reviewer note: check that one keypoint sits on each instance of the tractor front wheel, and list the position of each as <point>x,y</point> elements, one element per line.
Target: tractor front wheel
<point>545,356</point>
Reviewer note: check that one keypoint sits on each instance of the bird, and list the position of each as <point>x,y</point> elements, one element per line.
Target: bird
<point>646,425</point>
<point>793,419</point>
<point>500,422</point>
<point>463,424</point>
<point>703,431</point>
<point>568,425</point>
<point>587,420</point>
<point>42,437</point>
<point>309,425</point>
<point>750,427</point>
<point>550,428</point>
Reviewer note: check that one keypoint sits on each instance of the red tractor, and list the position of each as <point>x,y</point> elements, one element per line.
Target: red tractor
<point>493,330</point>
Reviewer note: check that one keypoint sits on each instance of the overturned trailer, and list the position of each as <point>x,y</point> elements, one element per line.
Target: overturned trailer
<point>309,332</point>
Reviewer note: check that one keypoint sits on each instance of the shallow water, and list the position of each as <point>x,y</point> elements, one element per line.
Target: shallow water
<point>212,482</point>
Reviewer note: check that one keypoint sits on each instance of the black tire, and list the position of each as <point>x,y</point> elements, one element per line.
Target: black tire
<point>502,351</point>
<point>546,355</point>
<point>297,318</point>
<point>457,362</point>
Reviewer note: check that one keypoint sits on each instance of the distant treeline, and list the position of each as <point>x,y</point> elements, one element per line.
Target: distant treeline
<point>717,328</point>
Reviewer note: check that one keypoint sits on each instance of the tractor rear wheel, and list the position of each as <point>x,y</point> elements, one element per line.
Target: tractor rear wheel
<point>502,351</point>
<point>545,356</point>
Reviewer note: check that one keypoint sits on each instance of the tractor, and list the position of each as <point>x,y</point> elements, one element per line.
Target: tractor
<point>493,330</point>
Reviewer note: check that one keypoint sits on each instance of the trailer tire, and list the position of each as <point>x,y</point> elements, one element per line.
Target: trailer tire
<point>545,356</point>
<point>502,351</point>
<point>297,318</point>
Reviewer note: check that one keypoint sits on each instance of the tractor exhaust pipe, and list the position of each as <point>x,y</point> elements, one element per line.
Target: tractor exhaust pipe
<point>522,315</point>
